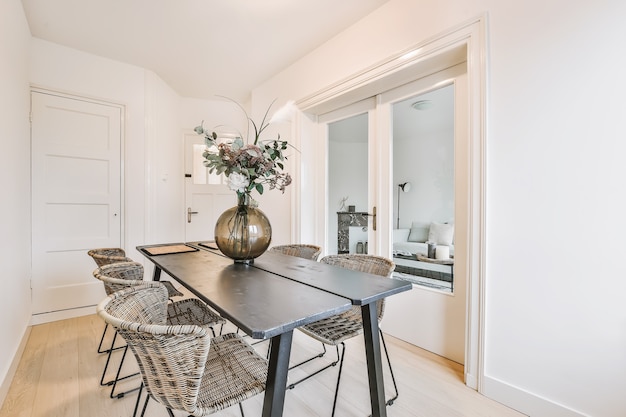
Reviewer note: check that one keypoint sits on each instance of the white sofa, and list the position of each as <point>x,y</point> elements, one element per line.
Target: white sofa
<point>414,240</point>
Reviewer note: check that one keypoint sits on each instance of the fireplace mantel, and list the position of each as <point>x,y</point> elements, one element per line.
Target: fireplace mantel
<point>345,220</point>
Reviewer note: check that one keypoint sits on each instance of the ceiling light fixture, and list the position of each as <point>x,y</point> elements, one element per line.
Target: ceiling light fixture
<point>422,105</point>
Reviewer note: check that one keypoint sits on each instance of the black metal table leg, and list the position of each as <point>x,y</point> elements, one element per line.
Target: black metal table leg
<point>280,350</point>
<point>156,275</point>
<point>374,364</point>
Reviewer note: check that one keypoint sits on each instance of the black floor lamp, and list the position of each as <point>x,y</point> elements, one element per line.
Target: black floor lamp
<point>404,188</point>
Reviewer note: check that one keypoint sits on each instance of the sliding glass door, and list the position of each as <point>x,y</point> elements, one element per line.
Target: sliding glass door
<point>349,204</point>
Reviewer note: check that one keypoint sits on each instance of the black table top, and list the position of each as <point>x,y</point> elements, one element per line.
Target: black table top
<point>261,303</point>
<point>361,288</point>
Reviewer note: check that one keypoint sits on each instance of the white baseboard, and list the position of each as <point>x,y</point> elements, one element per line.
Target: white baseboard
<point>524,401</point>
<point>62,315</point>
<point>8,379</point>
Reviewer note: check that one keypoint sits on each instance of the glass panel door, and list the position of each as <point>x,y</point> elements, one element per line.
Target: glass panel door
<point>423,174</point>
<point>350,226</point>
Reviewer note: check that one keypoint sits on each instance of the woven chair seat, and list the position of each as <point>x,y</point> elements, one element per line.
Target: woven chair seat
<point>181,366</point>
<point>234,372</point>
<point>192,311</point>
<point>119,276</point>
<point>299,250</point>
<point>336,329</point>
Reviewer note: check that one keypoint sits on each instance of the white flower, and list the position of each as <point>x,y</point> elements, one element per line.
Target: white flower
<point>238,182</point>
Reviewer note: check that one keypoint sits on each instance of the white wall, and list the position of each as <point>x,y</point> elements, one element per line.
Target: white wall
<point>15,303</point>
<point>164,163</point>
<point>554,336</point>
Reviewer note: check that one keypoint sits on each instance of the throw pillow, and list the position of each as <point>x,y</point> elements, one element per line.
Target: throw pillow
<point>441,233</point>
<point>419,232</point>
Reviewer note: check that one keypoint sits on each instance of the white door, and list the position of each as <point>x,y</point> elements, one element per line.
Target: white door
<point>206,195</point>
<point>432,319</point>
<point>76,197</point>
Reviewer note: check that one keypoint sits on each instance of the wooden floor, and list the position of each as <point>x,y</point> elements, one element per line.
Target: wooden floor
<point>59,373</point>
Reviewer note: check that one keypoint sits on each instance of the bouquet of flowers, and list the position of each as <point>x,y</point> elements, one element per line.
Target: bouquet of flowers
<point>250,166</point>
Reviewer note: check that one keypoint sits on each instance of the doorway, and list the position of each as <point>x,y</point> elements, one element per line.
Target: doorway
<point>358,168</point>
<point>465,43</point>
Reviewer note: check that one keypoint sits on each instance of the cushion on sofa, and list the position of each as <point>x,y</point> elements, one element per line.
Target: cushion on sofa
<point>441,233</point>
<point>419,232</point>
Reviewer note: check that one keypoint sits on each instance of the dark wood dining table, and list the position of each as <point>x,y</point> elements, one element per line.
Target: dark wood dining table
<point>274,295</point>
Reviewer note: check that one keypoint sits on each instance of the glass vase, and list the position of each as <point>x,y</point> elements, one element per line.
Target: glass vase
<point>243,232</point>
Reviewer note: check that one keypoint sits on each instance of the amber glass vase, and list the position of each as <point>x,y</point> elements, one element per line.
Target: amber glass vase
<point>243,232</point>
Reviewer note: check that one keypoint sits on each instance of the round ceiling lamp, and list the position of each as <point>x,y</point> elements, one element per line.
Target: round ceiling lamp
<point>422,105</point>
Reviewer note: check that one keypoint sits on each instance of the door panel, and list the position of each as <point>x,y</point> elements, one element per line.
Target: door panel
<point>206,195</point>
<point>350,169</point>
<point>438,323</point>
<point>76,197</point>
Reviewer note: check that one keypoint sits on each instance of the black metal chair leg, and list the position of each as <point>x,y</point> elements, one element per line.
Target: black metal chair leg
<point>393,378</point>
<point>106,364</point>
<point>319,355</point>
<point>138,399</point>
<point>118,378</point>
<point>241,410</point>
<point>293,385</point>
<point>112,343</point>
<point>343,352</point>
<point>145,404</point>
<point>104,332</point>
<point>340,359</point>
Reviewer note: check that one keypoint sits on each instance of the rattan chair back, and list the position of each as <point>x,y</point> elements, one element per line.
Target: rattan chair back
<point>372,264</point>
<point>300,250</point>
<point>118,276</point>
<point>105,256</point>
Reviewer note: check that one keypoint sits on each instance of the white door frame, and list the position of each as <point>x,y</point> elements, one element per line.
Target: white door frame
<point>80,311</point>
<point>466,42</point>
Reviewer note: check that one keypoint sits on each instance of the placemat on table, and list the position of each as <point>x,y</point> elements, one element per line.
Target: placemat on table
<point>169,250</point>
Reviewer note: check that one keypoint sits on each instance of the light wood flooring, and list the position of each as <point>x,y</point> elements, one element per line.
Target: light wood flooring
<point>59,373</point>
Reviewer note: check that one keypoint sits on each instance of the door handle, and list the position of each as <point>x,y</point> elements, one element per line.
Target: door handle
<point>189,213</point>
<point>373,217</point>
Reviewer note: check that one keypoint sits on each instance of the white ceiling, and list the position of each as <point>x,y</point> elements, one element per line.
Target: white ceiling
<point>201,48</point>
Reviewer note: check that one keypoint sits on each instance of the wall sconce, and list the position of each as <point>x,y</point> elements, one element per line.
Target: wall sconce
<point>404,188</point>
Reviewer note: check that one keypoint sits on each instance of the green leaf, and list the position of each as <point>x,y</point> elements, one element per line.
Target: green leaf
<point>259,188</point>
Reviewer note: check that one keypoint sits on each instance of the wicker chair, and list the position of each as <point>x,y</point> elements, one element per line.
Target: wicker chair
<point>191,311</point>
<point>300,250</point>
<point>335,330</point>
<point>207,375</point>
<point>106,256</point>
